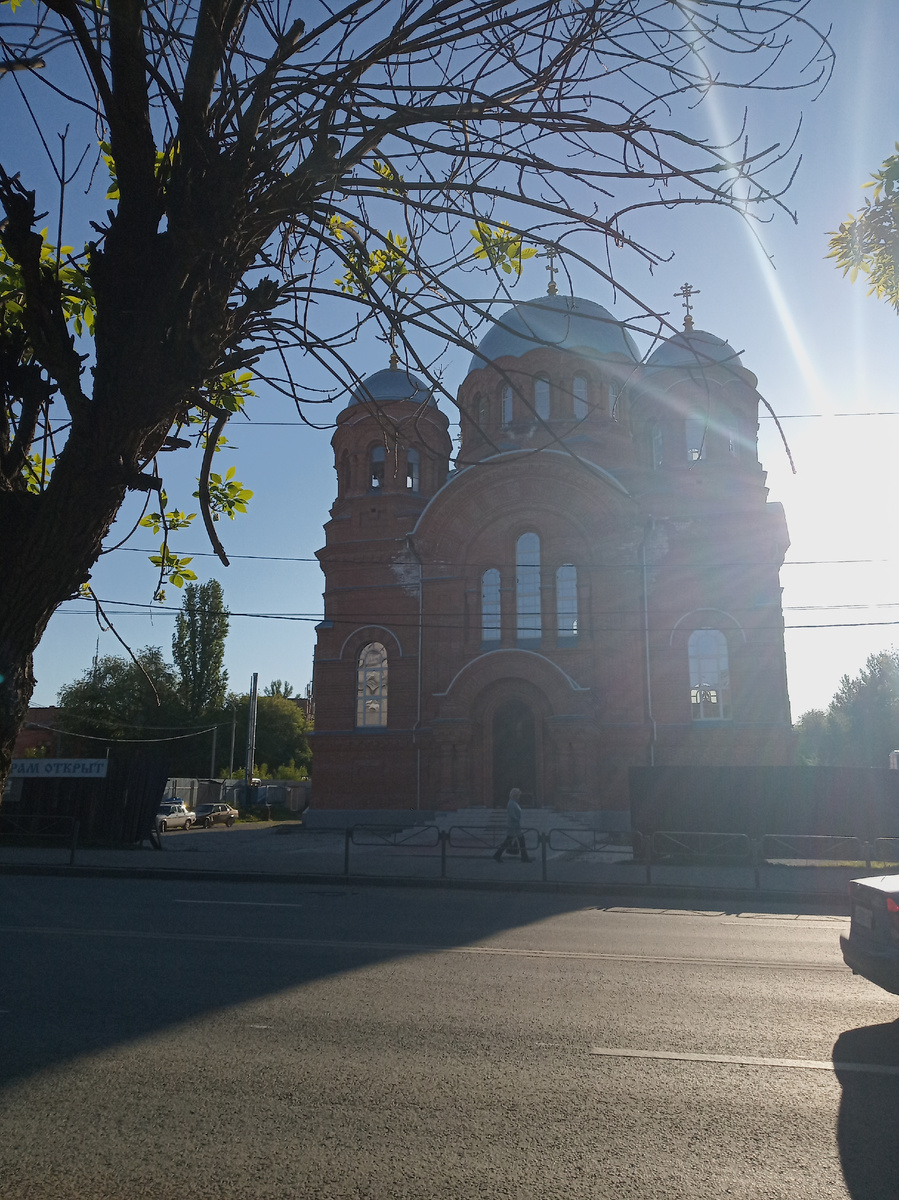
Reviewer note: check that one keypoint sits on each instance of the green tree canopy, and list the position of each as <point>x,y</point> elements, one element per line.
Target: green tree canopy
<point>861,725</point>
<point>121,699</point>
<point>198,647</point>
<point>279,687</point>
<point>868,243</point>
<point>280,733</point>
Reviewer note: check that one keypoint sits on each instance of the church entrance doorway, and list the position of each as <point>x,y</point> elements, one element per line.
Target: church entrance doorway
<point>514,752</point>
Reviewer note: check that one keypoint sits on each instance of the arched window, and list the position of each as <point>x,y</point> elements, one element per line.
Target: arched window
<point>527,588</point>
<point>508,408</point>
<point>490,606</point>
<point>709,675</point>
<point>371,687</point>
<point>614,393</point>
<point>541,397</point>
<point>377,460</point>
<point>579,395</point>
<point>412,471</point>
<point>656,443</point>
<point>696,429</point>
<point>566,603</point>
<point>343,474</point>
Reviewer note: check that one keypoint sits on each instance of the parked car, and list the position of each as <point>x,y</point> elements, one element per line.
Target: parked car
<point>171,814</point>
<point>872,947</point>
<point>216,814</point>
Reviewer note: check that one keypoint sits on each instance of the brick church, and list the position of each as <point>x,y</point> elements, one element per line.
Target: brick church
<point>593,584</point>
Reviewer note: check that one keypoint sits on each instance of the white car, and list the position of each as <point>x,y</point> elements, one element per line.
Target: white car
<point>172,814</point>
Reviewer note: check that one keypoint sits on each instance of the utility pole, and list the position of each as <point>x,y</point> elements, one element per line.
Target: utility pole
<point>251,734</point>
<point>233,732</point>
<point>215,735</point>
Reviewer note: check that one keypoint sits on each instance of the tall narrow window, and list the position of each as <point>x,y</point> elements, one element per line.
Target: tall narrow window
<point>490,606</point>
<point>656,444</point>
<point>378,458</point>
<point>709,675</point>
<point>508,409</point>
<point>614,393</point>
<point>730,426</point>
<point>541,397</point>
<point>483,412</point>
<point>527,588</point>
<point>566,603</point>
<point>371,687</point>
<point>579,395</point>
<point>696,436</point>
<point>413,466</point>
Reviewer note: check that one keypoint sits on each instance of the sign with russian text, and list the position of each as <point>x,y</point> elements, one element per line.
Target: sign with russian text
<point>59,768</point>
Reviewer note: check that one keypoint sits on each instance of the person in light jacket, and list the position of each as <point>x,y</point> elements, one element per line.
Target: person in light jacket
<point>513,828</point>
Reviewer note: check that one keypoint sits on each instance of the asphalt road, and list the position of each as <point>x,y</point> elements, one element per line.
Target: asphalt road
<point>163,1040</point>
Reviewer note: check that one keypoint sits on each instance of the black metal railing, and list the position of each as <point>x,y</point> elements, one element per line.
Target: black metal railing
<point>28,827</point>
<point>565,853</point>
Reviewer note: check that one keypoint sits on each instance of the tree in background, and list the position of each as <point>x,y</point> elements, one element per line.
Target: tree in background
<point>279,687</point>
<point>123,700</point>
<point>869,242</point>
<point>281,744</point>
<point>271,162</point>
<point>861,725</point>
<point>198,647</point>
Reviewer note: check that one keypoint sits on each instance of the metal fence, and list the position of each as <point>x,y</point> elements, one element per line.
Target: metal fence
<point>607,856</point>
<point>26,828</point>
<point>562,854</point>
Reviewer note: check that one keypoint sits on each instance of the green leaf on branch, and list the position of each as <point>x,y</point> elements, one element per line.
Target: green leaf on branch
<point>171,520</point>
<point>172,569</point>
<point>501,247</point>
<point>227,495</point>
<point>868,242</point>
<point>37,472</point>
<point>75,291</point>
<point>389,262</point>
<point>391,177</point>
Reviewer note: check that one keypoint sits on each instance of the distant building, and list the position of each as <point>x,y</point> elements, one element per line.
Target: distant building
<point>35,736</point>
<point>594,586</point>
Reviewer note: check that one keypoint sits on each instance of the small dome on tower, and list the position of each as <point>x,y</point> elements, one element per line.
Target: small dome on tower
<point>693,348</point>
<point>563,322</point>
<point>389,384</point>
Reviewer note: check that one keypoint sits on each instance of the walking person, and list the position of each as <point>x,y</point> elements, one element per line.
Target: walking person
<point>513,828</point>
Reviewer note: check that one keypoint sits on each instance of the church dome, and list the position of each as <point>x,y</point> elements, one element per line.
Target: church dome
<point>389,384</point>
<point>564,322</point>
<point>693,348</point>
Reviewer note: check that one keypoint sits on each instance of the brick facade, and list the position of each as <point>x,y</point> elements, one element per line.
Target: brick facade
<point>541,607</point>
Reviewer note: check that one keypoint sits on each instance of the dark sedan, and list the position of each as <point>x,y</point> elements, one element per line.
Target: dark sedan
<point>872,947</point>
<point>216,814</point>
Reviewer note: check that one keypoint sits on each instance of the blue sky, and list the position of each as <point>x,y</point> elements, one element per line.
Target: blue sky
<point>826,357</point>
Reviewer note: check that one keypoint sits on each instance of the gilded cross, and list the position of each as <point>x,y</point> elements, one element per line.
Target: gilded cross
<point>551,252</point>
<point>687,290</point>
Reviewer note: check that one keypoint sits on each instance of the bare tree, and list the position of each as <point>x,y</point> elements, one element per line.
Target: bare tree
<point>270,167</point>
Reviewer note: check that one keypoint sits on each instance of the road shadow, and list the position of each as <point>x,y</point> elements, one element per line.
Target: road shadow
<point>89,964</point>
<point>869,1110</point>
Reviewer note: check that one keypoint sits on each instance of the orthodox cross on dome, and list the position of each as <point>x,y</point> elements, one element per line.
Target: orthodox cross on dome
<point>687,290</point>
<point>394,357</point>
<point>551,253</point>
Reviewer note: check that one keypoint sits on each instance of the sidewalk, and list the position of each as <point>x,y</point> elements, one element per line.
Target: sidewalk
<point>291,852</point>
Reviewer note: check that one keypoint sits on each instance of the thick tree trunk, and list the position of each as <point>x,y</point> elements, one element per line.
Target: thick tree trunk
<point>48,545</point>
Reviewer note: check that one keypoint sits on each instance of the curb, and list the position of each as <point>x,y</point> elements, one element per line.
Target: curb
<point>835,900</point>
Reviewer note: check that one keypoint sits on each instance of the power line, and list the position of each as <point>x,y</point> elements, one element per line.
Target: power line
<point>453,621</point>
<point>136,741</point>
<point>359,562</point>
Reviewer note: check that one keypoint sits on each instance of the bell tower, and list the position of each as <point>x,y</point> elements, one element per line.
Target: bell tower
<point>391,451</point>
